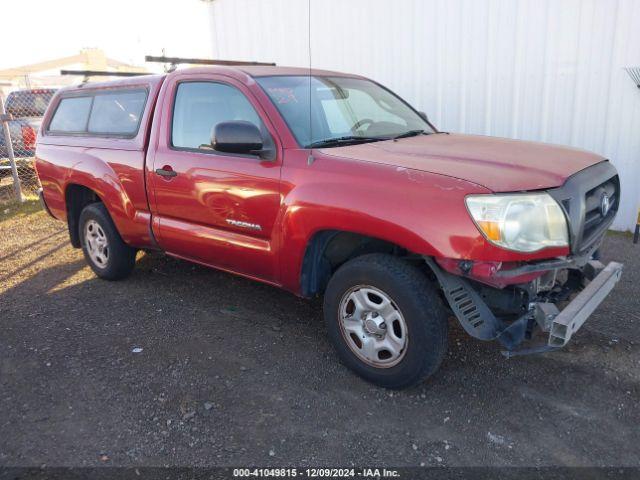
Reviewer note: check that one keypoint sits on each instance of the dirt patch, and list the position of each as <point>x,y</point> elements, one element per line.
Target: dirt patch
<point>181,365</point>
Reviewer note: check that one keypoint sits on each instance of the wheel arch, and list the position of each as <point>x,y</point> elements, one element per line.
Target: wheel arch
<point>328,249</point>
<point>99,182</point>
<point>77,197</point>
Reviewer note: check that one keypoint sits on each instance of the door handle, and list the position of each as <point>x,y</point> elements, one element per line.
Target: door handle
<point>166,171</point>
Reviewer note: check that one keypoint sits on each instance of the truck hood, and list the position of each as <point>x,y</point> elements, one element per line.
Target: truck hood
<point>499,164</point>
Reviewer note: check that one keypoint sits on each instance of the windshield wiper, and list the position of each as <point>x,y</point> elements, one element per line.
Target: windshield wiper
<point>328,142</point>
<point>410,133</point>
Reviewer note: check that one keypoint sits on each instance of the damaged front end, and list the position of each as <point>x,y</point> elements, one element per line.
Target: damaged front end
<point>513,301</point>
<point>556,302</point>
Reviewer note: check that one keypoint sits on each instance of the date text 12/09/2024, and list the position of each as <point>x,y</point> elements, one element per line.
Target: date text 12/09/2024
<point>316,472</point>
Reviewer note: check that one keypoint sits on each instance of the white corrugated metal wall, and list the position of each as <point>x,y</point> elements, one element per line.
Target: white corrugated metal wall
<point>544,70</point>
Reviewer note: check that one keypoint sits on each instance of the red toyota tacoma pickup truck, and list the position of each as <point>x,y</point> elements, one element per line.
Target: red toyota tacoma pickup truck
<point>324,183</point>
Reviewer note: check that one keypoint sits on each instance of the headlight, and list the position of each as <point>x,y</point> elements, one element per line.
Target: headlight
<point>521,222</point>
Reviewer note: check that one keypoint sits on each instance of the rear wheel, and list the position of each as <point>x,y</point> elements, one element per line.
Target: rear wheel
<point>104,250</point>
<point>386,320</point>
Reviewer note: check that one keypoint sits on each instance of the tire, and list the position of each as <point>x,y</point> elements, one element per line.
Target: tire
<point>415,316</point>
<point>116,260</point>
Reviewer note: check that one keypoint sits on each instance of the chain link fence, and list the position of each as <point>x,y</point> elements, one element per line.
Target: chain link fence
<point>21,112</point>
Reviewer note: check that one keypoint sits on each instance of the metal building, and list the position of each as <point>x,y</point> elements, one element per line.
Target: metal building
<point>544,70</point>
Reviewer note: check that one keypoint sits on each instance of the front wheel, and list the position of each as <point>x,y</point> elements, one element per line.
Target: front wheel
<point>104,250</point>
<point>386,320</point>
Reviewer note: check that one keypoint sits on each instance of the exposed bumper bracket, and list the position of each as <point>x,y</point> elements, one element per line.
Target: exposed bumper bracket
<point>544,313</point>
<point>480,322</point>
<point>569,320</point>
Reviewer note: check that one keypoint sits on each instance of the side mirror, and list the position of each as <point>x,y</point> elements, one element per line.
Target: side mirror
<point>424,116</point>
<point>237,136</point>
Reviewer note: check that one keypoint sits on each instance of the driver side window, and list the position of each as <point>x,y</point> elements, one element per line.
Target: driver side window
<point>200,106</point>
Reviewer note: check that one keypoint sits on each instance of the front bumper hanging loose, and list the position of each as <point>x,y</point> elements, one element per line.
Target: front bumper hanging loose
<point>478,320</point>
<point>573,316</point>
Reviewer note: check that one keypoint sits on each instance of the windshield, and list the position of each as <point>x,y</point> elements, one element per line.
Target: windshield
<point>340,108</point>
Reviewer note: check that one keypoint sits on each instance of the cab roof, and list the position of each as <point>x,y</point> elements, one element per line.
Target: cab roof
<point>267,71</point>
<point>240,72</point>
<point>244,72</point>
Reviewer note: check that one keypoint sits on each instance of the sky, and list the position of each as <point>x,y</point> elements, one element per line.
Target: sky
<point>126,30</point>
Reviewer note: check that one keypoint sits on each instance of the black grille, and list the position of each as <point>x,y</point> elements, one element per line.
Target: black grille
<point>593,217</point>
<point>581,198</point>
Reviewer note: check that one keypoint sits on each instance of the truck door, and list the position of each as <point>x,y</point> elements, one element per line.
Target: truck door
<point>211,207</point>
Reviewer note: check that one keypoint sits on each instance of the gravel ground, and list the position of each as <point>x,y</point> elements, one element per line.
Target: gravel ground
<point>232,372</point>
